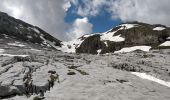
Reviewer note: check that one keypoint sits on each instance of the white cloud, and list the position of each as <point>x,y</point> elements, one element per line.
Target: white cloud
<point>46,14</point>
<point>150,11</point>
<point>80,27</point>
<point>66,5</point>
<point>91,7</point>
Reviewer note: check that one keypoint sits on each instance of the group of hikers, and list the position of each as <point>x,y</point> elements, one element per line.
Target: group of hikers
<point>30,88</point>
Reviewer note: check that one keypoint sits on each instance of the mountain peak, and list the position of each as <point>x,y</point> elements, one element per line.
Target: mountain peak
<point>21,31</point>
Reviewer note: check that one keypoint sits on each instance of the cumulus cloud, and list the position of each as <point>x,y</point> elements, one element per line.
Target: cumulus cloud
<point>80,27</point>
<point>47,14</point>
<point>90,7</point>
<point>150,11</point>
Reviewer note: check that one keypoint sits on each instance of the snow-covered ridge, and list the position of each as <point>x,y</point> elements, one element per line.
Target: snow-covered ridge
<point>151,78</point>
<point>110,35</point>
<point>158,28</point>
<point>130,49</point>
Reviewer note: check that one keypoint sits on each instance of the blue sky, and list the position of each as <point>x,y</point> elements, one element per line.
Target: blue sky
<point>101,23</point>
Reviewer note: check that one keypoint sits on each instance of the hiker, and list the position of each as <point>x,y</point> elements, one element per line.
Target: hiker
<point>50,81</point>
<point>52,78</point>
<point>28,84</point>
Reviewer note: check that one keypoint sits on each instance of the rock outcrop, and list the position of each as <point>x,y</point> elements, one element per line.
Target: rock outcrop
<point>125,35</point>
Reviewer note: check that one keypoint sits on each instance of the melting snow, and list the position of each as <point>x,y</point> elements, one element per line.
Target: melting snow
<point>168,38</point>
<point>36,50</point>
<point>151,78</point>
<point>130,49</point>
<point>159,28</point>
<point>167,43</point>
<point>110,35</point>
<point>98,51</point>
<point>11,55</point>
<point>34,29</point>
<point>70,46</point>
<point>106,43</point>
<point>128,26</point>
<point>2,50</point>
<point>16,44</point>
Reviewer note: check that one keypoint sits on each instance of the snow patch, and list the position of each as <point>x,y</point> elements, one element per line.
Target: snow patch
<point>168,38</point>
<point>151,78</point>
<point>11,55</point>
<point>2,50</point>
<point>167,43</point>
<point>17,44</point>
<point>99,51</point>
<point>106,43</point>
<point>130,49</point>
<point>110,37</point>
<point>128,26</point>
<point>34,29</point>
<point>158,28</point>
<point>70,46</point>
<point>35,50</point>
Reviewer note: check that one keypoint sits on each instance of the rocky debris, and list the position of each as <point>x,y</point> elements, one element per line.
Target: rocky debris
<point>103,70</point>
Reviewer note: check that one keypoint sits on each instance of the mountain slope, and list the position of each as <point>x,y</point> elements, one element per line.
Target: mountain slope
<point>18,30</point>
<point>132,35</point>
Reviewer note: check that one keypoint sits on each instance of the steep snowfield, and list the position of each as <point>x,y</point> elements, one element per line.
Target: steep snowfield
<point>158,28</point>
<point>70,46</point>
<point>167,43</point>
<point>130,49</point>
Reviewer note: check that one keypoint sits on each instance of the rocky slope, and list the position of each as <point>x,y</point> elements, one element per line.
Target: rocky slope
<point>133,35</point>
<point>19,31</point>
<point>82,76</point>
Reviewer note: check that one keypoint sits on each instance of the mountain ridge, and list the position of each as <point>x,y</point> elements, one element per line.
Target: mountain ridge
<point>124,35</point>
<point>22,31</point>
